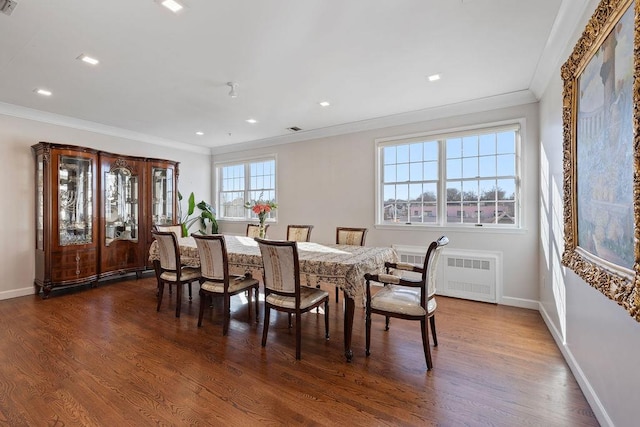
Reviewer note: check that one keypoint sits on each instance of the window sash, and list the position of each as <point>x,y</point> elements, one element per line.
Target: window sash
<point>483,206</point>
<point>244,181</point>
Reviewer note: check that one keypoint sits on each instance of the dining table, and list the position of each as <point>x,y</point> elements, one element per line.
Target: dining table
<point>343,266</point>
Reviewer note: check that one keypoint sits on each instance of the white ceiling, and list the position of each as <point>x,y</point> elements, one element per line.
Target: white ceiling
<point>163,76</point>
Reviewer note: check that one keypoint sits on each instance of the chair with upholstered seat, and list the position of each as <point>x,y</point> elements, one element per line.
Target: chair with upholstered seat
<point>171,271</point>
<point>174,228</point>
<point>282,289</point>
<point>299,233</point>
<point>253,230</point>
<point>407,298</point>
<point>215,280</point>
<point>350,236</point>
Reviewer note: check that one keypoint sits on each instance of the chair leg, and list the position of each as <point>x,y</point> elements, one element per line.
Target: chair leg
<point>432,321</point>
<point>265,327</point>
<point>367,322</point>
<point>425,342</point>
<point>337,299</point>
<point>386,323</point>
<point>190,298</point>
<point>227,314</point>
<point>289,320</point>
<point>160,293</point>
<point>178,299</point>
<point>203,302</point>
<point>257,294</point>
<point>326,318</point>
<point>298,336</point>
<point>249,303</point>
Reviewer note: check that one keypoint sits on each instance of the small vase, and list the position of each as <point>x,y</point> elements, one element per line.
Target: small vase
<point>261,231</point>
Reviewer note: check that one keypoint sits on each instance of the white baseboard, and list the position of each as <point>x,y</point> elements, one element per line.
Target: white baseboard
<point>583,382</point>
<point>519,302</point>
<point>15,293</point>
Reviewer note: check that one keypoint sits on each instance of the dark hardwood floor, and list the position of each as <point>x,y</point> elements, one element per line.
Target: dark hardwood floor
<point>105,357</point>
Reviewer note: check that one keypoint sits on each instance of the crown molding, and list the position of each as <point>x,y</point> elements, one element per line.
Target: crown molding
<point>71,122</point>
<point>561,39</point>
<point>440,112</point>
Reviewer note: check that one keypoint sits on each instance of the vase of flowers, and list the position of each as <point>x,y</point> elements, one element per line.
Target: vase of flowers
<point>262,209</point>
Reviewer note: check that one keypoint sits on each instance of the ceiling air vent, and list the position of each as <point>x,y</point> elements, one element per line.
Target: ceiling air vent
<point>7,6</point>
<point>294,129</point>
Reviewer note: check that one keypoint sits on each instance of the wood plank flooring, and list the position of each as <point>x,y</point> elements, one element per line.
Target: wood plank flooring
<point>105,357</point>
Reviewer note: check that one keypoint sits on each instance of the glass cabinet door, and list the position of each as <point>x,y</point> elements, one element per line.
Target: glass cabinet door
<point>162,193</point>
<point>75,200</point>
<point>121,205</point>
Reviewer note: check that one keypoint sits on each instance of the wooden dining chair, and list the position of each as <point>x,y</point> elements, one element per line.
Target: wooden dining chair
<point>282,289</point>
<point>407,298</point>
<point>171,271</point>
<point>253,230</point>
<point>349,236</point>
<point>215,280</point>
<point>299,233</point>
<point>174,228</point>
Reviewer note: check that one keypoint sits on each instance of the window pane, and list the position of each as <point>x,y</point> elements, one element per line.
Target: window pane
<point>506,164</point>
<point>487,166</point>
<point>470,146</point>
<point>454,168</point>
<point>470,190</point>
<point>470,167</point>
<point>402,153</point>
<point>233,194</point>
<point>430,171</point>
<point>415,171</point>
<point>454,191</point>
<point>487,144</point>
<point>470,213</point>
<point>416,152</point>
<point>389,154</point>
<point>431,150</point>
<point>389,173</point>
<point>454,148</point>
<point>507,142</point>
<point>508,189</point>
<point>403,172</point>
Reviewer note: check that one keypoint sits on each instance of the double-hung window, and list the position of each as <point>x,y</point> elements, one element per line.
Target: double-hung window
<point>241,182</point>
<point>461,178</point>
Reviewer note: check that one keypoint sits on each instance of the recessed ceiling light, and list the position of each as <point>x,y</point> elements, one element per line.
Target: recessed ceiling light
<point>88,59</point>
<point>172,5</point>
<point>324,103</point>
<point>434,77</point>
<point>199,133</point>
<point>43,92</point>
<point>252,121</point>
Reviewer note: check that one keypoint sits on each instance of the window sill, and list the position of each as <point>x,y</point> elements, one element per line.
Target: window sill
<point>471,228</point>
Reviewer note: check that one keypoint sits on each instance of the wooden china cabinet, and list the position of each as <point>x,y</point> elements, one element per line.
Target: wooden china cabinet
<point>95,211</point>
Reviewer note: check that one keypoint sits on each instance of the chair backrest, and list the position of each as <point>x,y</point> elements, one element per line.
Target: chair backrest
<point>214,262</point>
<point>174,228</point>
<point>168,250</point>
<point>299,233</point>
<point>253,230</point>
<point>350,236</point>
<point>430,269</point>
<point>281,266</point>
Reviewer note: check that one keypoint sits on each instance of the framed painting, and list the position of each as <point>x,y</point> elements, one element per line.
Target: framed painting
<point>601,165</point>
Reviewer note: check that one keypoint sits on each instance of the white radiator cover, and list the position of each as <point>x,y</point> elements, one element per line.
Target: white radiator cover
<point>474,275</point>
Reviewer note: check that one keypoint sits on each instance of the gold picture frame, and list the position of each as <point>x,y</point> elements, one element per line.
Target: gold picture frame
<point>601,163</point>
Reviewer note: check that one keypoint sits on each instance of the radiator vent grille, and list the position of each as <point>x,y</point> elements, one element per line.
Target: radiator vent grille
<point>462,274</point>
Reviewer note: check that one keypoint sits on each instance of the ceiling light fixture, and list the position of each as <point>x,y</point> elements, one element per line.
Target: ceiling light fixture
<point>172,5</point>
<point>199,133</point>
<point>88,59</point>
<point>324,103</point>
<point>43,92</point>
<point>252,121</point>
<point>234,89</point>
<point>434,77</point>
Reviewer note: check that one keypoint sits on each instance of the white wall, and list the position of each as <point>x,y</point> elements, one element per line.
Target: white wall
<point>599,340</point>
<point>330,182</point>
<point>17,235</point>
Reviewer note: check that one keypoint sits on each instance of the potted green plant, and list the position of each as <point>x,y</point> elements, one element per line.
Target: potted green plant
<point>207,214</point>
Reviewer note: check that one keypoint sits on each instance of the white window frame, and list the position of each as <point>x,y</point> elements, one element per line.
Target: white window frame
<point>246,162</point>
<point>441,135</point>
